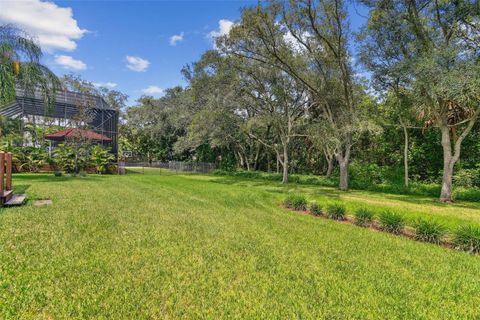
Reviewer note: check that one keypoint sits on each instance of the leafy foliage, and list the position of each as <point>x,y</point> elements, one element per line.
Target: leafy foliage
<point>20,65</point>
<point>336,211</point>
<point>296,202</point>
<point>467,238</point>
<point>429,231</point>
<point>32,159</point>
<point>467,177</point>
<point>391,222</point>
<point>363,217</point>
<point>315,208</point>
<point>101,158</point>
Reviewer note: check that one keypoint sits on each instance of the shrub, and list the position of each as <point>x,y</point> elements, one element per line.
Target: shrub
<point>101,157</point>
<point>363,175</point>
<point>296,202</point>
<point>467,238</point>
<point>32,159</point>
<point>336,211</point>
<point>391,222</point>
<point>315,208</point>
<point>467,194</point>
<point>363,217</point>
<point>467,178</point>
<point>58,173</point>
<point>429,231</point>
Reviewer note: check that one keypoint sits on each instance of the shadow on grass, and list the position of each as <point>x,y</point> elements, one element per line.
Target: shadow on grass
<point>21,188</point>
<point>430,201</point>
<point>329,192</point>
<point>49,177</point>
<point>278,187</point>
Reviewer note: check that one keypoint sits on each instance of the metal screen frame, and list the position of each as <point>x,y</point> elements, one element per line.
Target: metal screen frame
<point>66,107</point>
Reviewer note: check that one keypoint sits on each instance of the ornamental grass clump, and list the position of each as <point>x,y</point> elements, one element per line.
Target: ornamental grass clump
<point>363,217</point>
<point>467,238</point>
<point>296,202</point>
<point>315,208</point>
<point>336,211</point>
<point>391,222</point>
<point>429,231</point>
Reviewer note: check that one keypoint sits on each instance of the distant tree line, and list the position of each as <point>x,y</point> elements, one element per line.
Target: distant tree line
<point>283,92</point>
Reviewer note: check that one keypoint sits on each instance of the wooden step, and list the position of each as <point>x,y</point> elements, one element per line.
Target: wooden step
<point>5,196</point>
<point>16,200</point>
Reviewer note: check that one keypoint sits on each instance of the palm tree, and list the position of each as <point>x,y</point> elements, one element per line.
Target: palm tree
<point>20,66</point>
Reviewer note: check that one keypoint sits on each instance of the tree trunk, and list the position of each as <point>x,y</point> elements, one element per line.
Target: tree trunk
<point>330,167</point>
<point>447,182</point>
<point>268,161</point>
<point>405,154</point>
<point>278,164</point>
<point>343,159</point>
<point>285,164</point>
<point>330,162</point>
<point>241,159</point>
<point>257,157</point>
<point>448,164</point>
<point>343,184</point>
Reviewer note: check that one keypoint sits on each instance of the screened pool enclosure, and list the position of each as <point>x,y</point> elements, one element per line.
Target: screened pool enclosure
<point>69,111</point>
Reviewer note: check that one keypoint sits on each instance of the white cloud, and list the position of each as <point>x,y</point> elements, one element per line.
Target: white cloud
<point>137,64</point>
<point>293,42</point>
<point>54,27</point>
<point>176,38</point>
<point>108,85</point>
<point>70,63</point>
<point>152,90</point>
<point>224,27</point>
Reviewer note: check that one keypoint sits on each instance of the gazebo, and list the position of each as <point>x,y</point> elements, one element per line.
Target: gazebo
<point>86,135</point>
<point>74,133</point>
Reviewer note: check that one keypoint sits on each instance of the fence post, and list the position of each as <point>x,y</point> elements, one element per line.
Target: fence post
<point>9,171</point>
<point>2,172</point>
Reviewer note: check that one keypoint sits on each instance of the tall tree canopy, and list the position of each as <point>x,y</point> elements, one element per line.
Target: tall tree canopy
<point>432,49</point>
<point>308,40</point>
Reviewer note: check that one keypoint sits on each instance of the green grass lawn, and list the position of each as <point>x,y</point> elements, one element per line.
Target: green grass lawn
<point>411,207</point>
<point>161,246</point>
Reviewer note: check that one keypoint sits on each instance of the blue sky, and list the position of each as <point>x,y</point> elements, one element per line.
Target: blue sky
<point>136,47</point>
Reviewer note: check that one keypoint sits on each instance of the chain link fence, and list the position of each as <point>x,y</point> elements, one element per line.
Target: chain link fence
<point>159,167</point>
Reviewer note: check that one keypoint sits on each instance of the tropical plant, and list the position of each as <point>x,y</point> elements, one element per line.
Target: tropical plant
<point>391,222</point>
<point>296,202</point>
<point>467,238</point>
<point>429,231</point>
<point>336,211</point>
<point>20,66</point>
<point>32,159</point>
<point>101,158</point>
<point>65,158</point>
<point>315,208</point>
<point>363,217</point>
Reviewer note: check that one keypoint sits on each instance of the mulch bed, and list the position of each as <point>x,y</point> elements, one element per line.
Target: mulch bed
<point>407,232</point>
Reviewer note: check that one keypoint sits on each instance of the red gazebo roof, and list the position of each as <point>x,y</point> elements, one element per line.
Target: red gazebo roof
<point>73,132</point>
